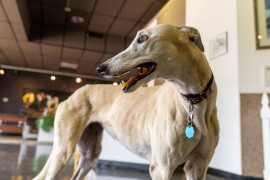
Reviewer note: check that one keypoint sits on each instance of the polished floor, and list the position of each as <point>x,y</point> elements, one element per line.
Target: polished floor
<point>22,160</point>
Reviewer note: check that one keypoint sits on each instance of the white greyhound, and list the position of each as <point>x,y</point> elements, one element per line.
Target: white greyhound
<point>168,125</point>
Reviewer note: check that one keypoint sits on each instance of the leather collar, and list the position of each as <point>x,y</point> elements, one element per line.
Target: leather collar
<point>197,98</point>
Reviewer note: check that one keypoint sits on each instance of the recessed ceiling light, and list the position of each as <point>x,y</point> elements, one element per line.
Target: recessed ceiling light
<point>78,80</point>
<point>67,65</point>
<point>77,19</point>
<point>53,78</point>
<point>2,72</point>
<point>67,9</point>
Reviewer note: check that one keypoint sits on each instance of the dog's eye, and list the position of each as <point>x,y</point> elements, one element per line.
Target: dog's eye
<point>142,39</point>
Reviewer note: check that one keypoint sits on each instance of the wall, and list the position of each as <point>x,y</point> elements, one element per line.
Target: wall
<point>251,86</point>
<point>251,61</point>
<point>211,18</point>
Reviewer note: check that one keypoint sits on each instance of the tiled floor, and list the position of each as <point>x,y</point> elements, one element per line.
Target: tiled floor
<point>23,160</point>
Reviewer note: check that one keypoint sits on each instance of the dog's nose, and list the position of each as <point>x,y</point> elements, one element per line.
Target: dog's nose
<point>101,69</point>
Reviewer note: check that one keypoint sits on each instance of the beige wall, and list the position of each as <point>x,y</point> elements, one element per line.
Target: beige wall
<point>251,60</point>
<point>174,12</point>
<point>211,18</point>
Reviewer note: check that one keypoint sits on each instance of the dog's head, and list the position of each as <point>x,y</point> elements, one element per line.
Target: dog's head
<point>156,52</point>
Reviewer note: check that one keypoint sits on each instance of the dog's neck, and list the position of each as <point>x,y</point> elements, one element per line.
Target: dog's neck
<point>193,80</point>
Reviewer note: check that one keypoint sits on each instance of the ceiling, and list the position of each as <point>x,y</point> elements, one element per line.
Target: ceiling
<point>39,34</point>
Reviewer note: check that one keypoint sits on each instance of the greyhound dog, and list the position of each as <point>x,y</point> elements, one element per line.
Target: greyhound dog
<point>168,125</point>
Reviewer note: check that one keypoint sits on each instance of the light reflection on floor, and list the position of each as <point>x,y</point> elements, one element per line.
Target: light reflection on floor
<point>23,161</point>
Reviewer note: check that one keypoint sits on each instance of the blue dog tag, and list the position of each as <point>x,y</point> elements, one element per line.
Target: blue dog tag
<point>189,131</point>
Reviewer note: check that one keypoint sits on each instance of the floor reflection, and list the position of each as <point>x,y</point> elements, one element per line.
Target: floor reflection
<point>24,161</point>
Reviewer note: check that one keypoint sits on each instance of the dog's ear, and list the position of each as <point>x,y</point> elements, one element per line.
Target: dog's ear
<point>194,36</point>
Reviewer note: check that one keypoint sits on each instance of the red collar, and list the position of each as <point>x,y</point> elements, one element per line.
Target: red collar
<point>197,98</point>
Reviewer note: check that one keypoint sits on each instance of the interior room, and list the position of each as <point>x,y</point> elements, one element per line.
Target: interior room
<point>51,48</point>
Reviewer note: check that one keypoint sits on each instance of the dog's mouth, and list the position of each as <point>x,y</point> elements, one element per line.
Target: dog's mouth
<point>132,76</point>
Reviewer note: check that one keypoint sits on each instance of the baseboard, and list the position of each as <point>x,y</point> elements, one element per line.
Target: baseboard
<point>144,167</point>
<point>230,176</point>
<point>123,165</point>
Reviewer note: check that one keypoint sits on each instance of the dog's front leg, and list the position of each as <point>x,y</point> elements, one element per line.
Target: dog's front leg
<point>68,127</point>
<point>161,171</point>
<point>162,163</point>
<point>196,169</point>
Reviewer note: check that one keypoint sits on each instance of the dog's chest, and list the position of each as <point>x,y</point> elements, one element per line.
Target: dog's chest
<point>137,145</point>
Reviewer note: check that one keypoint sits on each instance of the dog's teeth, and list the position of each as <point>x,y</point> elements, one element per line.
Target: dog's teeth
<point>125,84</point>
<point>122,85</point>
<point>144,70</point>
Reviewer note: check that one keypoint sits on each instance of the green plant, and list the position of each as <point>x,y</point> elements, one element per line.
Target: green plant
<point>45,122</point>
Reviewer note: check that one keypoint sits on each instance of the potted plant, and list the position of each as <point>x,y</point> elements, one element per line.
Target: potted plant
<point>45,122</point>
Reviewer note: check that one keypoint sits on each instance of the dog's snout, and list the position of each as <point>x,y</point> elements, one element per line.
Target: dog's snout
<point>102,69</point>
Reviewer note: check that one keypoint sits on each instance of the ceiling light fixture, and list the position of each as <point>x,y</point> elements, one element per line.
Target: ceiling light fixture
<point>78,80</point>
<point>67,8</point>
<point>77,19</point>
<point>60,73</point>
<point>2,72</point>
<point>68,65</point>
<point>53,78</point>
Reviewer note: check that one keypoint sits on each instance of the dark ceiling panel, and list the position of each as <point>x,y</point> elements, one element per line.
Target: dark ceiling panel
<point>51,59</point>
<point>51,62</point>
<point>61,3</point>
<point>91,56</point>
<point>51,66</point>
<point>104,58</point>
<point>96,44</point>
<point>53,35</point>
<point>121,27</point>
<point>85,67</point>
<point>100,23</point>
<point>35,32</point>
<point>74,38</point>
<point>33,60</point>
<point>54,15</point>
<point>115,44</point>
<point>108,7</point>
<point>134,31</point>
<point>35,11</point>
<point>129,41</point>
<point>84,5</point>
<point>133,10</point>
<point>152,11</point>
<point>70,53</point>
<point>49,50</point>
